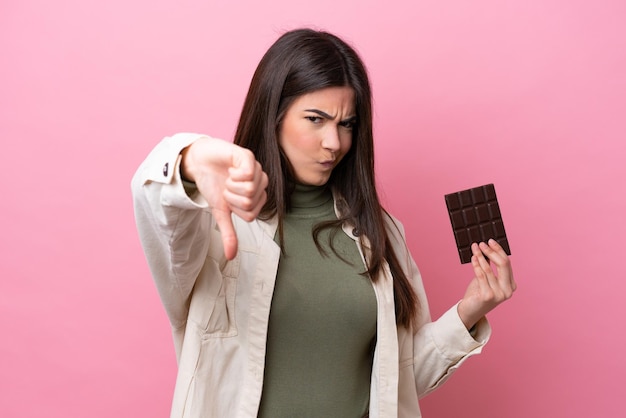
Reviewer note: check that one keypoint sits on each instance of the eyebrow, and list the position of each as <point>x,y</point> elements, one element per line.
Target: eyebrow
<point>327,116</point>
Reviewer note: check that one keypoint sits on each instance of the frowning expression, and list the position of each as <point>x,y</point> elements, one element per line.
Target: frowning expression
<point>316,133</point>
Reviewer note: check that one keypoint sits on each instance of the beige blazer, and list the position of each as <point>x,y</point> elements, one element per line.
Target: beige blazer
<point>219,309</point>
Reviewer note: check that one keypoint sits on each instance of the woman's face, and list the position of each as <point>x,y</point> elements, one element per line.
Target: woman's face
<point>316,133</point>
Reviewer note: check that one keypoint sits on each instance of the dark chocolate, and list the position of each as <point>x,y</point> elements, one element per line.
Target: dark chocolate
<point>475,217</point>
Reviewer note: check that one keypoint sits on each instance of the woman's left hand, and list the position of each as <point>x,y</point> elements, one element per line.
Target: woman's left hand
<point>488,289</point>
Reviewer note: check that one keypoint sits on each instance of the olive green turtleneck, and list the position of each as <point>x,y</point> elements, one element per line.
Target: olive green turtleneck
<point>322,321</point>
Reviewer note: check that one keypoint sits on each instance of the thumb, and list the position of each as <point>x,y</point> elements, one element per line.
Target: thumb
<point>243,165</point>
<point>227,230</point>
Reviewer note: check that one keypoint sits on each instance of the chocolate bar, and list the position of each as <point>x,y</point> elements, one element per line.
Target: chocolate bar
<point>475,217</point>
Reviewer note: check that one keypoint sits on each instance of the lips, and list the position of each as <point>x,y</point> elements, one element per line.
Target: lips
<point>328,163</point>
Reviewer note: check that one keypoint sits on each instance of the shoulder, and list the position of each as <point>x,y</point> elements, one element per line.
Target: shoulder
<point>393,226</point>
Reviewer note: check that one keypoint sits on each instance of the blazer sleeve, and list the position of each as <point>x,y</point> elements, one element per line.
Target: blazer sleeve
<point>438,347</point>
<point>174,225</point>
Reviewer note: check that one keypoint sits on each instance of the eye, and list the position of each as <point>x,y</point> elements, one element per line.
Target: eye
<point>314,119</point>
<point>348,124</point>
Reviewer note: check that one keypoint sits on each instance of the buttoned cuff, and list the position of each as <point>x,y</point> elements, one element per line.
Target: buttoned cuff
<point>164,167</point>
<point>454,340</point>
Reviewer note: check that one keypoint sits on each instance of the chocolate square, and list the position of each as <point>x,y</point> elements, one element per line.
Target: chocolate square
<point>475,217</point>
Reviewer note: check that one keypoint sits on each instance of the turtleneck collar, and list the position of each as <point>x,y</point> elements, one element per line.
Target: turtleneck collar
<point>310,200</point>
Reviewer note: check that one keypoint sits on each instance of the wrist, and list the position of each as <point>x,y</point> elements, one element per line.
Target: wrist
<point>469,319</point>
<point>186,173</point>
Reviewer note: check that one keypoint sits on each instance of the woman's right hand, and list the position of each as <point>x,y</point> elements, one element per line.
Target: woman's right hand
<point>230,179</point>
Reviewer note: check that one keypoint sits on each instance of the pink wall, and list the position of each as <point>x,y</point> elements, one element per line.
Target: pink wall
<point>528,95</point>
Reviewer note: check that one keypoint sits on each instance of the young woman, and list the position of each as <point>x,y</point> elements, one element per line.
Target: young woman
<point>290,291</point>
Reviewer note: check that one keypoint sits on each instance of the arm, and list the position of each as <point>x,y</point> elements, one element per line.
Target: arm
<point>177,219</point>
<point>442,346</point>
<point>230,179</point>
<point>489,288</point>
<point>438,348</point>
<point>173,224</point>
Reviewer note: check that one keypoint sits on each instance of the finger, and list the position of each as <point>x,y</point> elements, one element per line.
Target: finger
<point>480,264</point>
<point>493,251</point>
<point>491,279</point>
<point>227,230</point>
<point>500,258</point>
<point>478,270</point>
<point>247,198</point>
<point>249,187</point>
<point>504,279</point>
<point>479,273</point>
<point>482,259</point>
<point>244,207</point>
<point>244,165</point>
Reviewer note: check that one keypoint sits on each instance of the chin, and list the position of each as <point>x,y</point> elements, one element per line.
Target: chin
<point>315,182</point>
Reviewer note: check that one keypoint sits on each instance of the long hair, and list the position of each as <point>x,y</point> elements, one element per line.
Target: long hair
<point>299,62</point>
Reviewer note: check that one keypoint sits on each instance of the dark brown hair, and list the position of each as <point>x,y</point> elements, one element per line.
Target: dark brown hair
<point>299,62</point>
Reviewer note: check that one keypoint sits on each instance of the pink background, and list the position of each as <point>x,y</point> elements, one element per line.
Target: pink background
<point>529,95</point>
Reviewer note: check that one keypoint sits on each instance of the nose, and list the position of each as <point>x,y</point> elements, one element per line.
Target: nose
<point>331,140</point>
